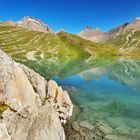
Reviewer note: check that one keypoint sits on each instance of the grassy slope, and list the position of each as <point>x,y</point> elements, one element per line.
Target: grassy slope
<point>126,39</point>
<point>61,51</point>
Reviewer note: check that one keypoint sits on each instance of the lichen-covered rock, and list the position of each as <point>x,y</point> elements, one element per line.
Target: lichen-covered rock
<point>36,107</point>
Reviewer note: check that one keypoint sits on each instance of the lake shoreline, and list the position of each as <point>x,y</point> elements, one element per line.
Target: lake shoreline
<point>98,130</point>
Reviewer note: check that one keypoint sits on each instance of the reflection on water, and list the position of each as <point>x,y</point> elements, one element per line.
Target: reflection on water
<point>109,92</point>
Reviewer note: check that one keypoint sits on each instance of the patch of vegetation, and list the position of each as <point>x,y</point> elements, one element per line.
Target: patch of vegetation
<point>3,107</point>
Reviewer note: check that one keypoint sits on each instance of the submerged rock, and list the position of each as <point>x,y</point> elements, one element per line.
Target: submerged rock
<point>104,128</point>
<point>75,126</point>
<point>86,124</point>
<point>36,107</point>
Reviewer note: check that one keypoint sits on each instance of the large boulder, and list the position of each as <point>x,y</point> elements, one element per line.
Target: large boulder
<point>36,108</point>
<point>14,83</point>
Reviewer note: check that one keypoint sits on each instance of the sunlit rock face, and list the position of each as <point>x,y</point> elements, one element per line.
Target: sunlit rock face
<point>14,83</point>
<point>60,100</point>
<point>35,124</point>
<point>35,108</point>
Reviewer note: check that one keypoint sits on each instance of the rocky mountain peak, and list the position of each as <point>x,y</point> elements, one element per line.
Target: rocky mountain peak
<point>91,34</point>
<point>89,28</point>
<point>31,19</point>
<point>137,18</point>
<point>34,24</point>
<point>98,36</point>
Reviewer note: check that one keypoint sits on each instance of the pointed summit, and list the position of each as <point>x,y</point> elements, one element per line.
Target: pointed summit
<point>34,24</point>
<point>88,27</point>
<point>136,20</point>
<point>91,34</point>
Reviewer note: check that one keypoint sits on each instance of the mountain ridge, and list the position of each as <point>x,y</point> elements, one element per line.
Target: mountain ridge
<point>34,24</point>
<point>123,36</point>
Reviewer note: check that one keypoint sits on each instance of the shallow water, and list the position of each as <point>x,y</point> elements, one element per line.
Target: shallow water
<point>109,93</point>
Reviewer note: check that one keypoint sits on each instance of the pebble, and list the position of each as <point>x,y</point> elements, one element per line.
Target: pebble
<point>75,126</point>
<point>105,129</point>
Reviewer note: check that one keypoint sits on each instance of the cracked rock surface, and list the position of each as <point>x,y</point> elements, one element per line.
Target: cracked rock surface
<point>35,109</point>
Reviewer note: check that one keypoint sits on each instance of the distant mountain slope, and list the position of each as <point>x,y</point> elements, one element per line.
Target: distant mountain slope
<point>47,51</point>
<point>124,36</point>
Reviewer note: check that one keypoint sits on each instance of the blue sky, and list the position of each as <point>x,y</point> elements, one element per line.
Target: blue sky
<point>72,15</point>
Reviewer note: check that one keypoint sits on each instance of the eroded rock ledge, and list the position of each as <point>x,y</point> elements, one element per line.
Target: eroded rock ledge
<point>35,108</point>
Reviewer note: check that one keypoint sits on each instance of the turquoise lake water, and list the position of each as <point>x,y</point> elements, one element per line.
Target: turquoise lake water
<point>109,93</point>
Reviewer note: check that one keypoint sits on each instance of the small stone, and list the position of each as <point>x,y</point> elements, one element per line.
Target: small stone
<point>76,137</point>
<point>86,124</point>
<point>70,137</point>
<point>82,132</point>
<point>92,135</point>
<point>105,129</point>
<point>117,137</point>
<point>123,130</point>
<point>75,126</point>
<point>98,132</point>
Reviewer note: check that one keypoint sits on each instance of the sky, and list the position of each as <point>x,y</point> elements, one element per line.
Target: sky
<point>72,15</point>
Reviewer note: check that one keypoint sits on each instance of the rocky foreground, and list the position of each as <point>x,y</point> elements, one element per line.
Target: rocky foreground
<point>31,108</point>
<point>84,130</point>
